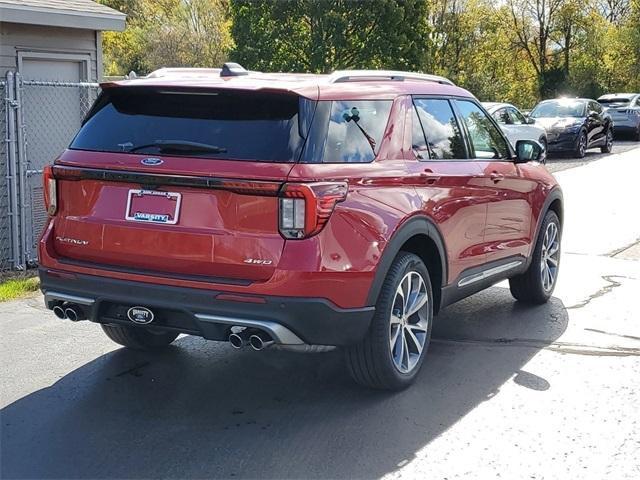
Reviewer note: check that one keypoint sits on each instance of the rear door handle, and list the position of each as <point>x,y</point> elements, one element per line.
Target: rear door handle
<point>496,177</point>
<point>429,177</point>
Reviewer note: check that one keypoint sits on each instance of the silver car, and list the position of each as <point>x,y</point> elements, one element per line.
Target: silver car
<point>624,109</point>
<point>515,125</point>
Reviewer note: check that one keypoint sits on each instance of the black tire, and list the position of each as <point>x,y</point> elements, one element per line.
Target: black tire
<point>543,142</point>
<point>138,338</point>
<point>528,287</point>
<point>371,362</point>
<point>608,146</point>
<point>581,145</point>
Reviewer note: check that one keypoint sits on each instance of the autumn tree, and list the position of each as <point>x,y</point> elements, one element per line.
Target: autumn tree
<point>518,51</point>
<point>168,33</point>
<point>534,23</point>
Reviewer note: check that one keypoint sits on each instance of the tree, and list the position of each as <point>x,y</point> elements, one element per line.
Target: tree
<point>571,19</point>
<point>534,22</point>
<point>167,33</point>
<point>320,36</point>
<point>615,11</point>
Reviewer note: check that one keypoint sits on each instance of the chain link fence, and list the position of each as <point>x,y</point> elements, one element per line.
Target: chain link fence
<point>6,253</point>
<point>40,119</point>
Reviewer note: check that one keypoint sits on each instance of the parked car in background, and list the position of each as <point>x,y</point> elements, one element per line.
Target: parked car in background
<point>515,125</point>
<point>624,109</point>
<point>574,125</point>
<point>302,211</point>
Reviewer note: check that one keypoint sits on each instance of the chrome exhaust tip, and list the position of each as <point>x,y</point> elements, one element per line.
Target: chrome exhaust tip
<point>58,311</point>
<point>237,341</point>
<point>74,313</point>
<point>260,341</point>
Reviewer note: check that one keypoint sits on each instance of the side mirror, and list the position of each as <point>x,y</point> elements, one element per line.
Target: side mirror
<point>530,151</point>
<point>593,114</point>
<point>531,120</point>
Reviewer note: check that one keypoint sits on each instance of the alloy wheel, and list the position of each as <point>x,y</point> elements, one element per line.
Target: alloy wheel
<point>409,322</point>
<point>609,140</point>
<point>582,147</point>
<point>550,257</point>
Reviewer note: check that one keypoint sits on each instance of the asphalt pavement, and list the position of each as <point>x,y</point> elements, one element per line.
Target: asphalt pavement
<point>507,391</point>
<point>557,163</point>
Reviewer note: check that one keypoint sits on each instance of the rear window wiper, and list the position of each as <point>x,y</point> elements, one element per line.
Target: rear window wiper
<point>181,146</point>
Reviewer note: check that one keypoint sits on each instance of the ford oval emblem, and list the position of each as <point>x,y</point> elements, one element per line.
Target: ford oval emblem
<point>151,161</point>
<point>140,315</point>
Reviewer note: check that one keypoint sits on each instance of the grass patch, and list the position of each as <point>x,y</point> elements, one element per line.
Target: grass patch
<point>18,287</point>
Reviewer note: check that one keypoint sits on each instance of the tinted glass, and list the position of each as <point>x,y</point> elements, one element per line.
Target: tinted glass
<point>237,125</point>
<point>517,117</point>
<point>560,108</point>
<point>440,128</point>
<point>502,116</point>
<point>418,141</point>
<point>354,130</point>
<point>614,101</point>
<point>485,137</point>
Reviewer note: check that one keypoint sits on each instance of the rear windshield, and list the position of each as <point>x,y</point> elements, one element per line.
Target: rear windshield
<point>617,100</point>
<point>212,124</point>
<point>245,125</point>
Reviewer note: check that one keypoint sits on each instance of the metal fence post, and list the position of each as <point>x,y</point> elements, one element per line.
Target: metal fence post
<point>22,168</point>
<point>12,177</point>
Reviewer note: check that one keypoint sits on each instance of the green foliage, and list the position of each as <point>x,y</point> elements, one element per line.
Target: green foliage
<point>320,36</point>
<point>167,33</point>
<point>18,287</point>
<point>514,50</point>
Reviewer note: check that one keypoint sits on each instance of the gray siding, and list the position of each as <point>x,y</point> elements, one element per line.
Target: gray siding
<point>16,37</point>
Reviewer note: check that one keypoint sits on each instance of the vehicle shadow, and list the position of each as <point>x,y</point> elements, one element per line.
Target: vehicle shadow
<point>200,410</point>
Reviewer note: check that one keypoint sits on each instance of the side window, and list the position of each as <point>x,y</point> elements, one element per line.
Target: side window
<point>595,107</point>
<point>418,141</point>
<point>355,130</point>
<point>484,135</point>
<point>638,102</point>
<point>441,129</point>
<point>517,117</point>
<point>501,116</point>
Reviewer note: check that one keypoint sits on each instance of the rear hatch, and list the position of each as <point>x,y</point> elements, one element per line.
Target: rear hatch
<point>179,182</point>
<point>617,107</point>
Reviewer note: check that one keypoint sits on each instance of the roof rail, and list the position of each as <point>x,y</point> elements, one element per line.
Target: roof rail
<point>340,76</point>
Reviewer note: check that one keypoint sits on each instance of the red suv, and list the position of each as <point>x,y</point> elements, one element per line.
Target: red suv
<point>303,211</point>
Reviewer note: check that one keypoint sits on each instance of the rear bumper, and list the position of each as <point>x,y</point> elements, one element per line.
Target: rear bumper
<point>630,125</point>
<point>313,321</point>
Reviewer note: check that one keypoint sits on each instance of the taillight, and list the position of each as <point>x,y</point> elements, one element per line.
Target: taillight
<point>305,208</point>
<point>50,190</point>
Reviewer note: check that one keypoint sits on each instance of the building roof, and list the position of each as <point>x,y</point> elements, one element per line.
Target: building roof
<point>85,14</point>
<point>342,85</point>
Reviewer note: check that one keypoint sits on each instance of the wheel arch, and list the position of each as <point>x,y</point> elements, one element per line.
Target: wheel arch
<point>553,202</point>
<point>420,236</point>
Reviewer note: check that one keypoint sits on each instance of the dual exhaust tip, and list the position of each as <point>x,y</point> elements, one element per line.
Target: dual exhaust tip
<point>69,311</point>
<point>257,340</point>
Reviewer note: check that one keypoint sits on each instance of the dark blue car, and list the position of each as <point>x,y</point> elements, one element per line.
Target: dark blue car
<point>574,125</point>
